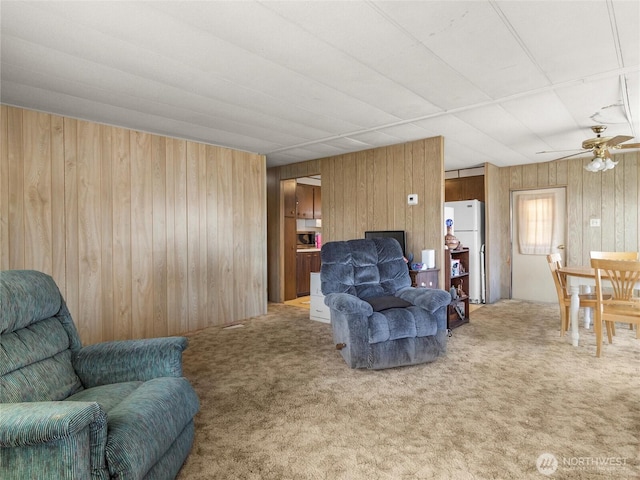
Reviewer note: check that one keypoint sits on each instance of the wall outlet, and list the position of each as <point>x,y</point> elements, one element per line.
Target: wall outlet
<point>412,199</point>
<point>594,222</point>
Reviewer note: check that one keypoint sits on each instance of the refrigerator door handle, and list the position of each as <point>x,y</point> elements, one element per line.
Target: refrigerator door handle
<point>483,278</point>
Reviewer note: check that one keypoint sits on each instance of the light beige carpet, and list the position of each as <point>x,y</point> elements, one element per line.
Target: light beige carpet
<point>278,402</point>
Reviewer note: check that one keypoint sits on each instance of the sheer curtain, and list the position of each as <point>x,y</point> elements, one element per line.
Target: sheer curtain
<point>536,223</point>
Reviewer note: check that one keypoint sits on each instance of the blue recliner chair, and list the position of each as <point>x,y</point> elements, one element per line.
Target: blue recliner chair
<point>117,409</point>
<point>378,319</point>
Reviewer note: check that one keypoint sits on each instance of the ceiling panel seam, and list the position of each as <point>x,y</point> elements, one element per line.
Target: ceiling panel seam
<point>422,45</point>
<point>518,39</point>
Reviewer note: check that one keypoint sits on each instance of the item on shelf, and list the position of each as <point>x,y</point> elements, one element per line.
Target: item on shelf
<point>450,239</point>
<point>456,282</point>
<point>429,258</point>
<point>455,268</point>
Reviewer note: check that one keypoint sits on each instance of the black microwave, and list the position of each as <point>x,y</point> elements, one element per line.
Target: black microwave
<point>306,239</point>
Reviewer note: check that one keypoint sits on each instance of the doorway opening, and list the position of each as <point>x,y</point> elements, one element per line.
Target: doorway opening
<point>302,235</point>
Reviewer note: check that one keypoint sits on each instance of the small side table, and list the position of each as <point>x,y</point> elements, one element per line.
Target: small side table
<point>425,278</point>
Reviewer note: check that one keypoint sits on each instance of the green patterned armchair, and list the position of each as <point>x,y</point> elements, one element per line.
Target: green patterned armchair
<point>111,410</point>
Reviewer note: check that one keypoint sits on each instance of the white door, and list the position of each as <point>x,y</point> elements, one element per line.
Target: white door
<point>538,227</point>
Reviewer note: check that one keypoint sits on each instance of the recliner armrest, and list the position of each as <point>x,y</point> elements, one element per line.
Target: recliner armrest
<point>348,304</point>
<point>130,360</point>
<point>32,423</point>
<point>431,299</point>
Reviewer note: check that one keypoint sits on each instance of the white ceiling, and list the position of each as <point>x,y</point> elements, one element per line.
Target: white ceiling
<point>500,80</point>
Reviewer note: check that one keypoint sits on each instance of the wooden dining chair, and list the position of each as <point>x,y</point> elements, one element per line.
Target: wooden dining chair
<point>587,300</point>
<point>616,256</point>
<point>622,305</point>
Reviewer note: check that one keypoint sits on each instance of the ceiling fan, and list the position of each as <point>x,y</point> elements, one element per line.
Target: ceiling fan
<point>600,147</point>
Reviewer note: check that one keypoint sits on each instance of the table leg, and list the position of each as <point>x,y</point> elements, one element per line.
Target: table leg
<point>573,313</point>
<point>587,311</point>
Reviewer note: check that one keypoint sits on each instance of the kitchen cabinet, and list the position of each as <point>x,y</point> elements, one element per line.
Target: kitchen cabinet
<point>309,201</point>
<point>456,277</point>
<point>317,202</point>
<point>289,191</point>
<point>306,263</point>
<point>464,188</point>
<point>304,197</point>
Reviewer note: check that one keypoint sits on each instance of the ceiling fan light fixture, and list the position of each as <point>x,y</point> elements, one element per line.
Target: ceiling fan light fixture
<point>609,164</point>
<point>598,164</point>
<point>600,146</point>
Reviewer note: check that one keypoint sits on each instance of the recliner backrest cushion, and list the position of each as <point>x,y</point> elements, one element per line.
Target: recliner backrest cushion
<point>38,340</point>
<point>364,267</point>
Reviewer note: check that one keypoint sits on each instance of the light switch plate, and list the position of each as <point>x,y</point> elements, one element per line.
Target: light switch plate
<point>412,199</point>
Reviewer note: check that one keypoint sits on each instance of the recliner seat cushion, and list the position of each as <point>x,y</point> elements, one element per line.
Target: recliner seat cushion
<point>144,418</point>
<point>108,396</point>
<point>397,323</point>
<point>386,302</point>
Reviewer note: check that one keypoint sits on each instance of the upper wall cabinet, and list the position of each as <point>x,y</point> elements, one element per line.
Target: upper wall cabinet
<point>289,190</point>
<point>464,188</point>
<point>317,202</point>
<point>308,201</point>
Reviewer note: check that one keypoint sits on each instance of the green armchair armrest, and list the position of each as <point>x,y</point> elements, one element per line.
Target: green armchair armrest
<point>32,423</point>
<point>64,440</point>
<point>129,360</point>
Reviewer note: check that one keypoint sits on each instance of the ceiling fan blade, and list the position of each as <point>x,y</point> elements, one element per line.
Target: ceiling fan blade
<point>572,155</point>
<point>628,145</point>
<point>616,140</point>
<point>559,151</point>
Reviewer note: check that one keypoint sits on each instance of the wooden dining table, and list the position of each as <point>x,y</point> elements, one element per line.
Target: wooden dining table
<point>580,278</point>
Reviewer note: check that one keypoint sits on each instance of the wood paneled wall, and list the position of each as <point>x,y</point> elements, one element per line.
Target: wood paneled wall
<point>368,190</point>
<point>145,235</point>
<point>497,236</point>
<point>611,196</point>
<point>353,201</point>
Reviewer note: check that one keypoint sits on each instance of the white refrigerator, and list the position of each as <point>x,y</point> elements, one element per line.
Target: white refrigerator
<point>468,227</point>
